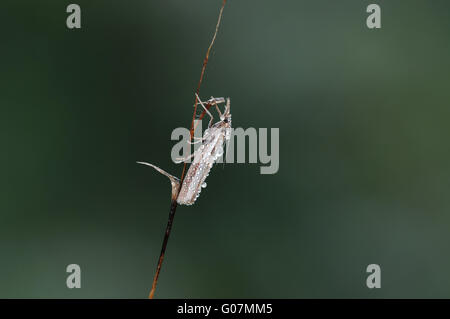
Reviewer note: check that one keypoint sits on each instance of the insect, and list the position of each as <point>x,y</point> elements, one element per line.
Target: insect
<point>213,141</point>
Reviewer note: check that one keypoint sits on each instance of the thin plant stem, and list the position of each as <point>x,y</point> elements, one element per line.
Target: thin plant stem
<point>174,204</point>
<point>173,208</point>
<point>205,62</point>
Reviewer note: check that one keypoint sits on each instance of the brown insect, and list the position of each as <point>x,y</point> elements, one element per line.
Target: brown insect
<point>213,141</point>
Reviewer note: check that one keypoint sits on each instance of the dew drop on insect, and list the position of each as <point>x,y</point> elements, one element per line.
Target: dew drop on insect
<point>204,185</point>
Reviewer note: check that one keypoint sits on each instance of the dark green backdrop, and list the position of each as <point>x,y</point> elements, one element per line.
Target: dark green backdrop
<point>364,154</point>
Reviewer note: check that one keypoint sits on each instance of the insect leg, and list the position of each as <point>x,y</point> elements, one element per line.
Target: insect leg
<point>210,115</point>
<point>216,99</point>
<point>227,107</point>
<point>213,101</point>
<point>184,159</point>
<point>199,139</point>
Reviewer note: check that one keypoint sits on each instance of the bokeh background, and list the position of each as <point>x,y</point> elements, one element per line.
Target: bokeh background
<point>364,154</point>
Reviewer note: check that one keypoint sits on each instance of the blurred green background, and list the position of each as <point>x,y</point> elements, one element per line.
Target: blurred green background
<point>364,154</point>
